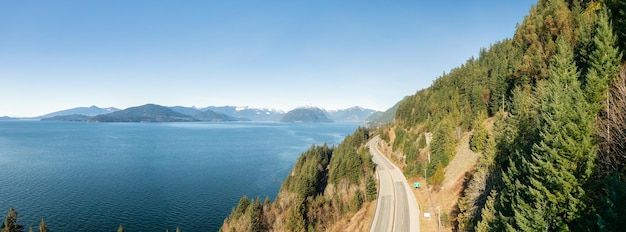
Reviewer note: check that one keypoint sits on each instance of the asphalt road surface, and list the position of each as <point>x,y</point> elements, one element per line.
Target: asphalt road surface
<point>396,209</point>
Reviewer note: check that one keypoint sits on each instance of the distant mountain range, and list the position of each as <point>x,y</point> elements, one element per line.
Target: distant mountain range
<point>209,115</point>
<point>157,113</point>
<point>253,114</point>
<point>306,114</point>
<point>352,114</point>
<point>70,118</point>
<point>206,114</point>
<point>86,111</point>
<point>144,113</point>
<point>381,118</point>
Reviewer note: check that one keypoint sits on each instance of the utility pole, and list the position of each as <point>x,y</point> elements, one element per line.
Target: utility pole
<point>438,218</point>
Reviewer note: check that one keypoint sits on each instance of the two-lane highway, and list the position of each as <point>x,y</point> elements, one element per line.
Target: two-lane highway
<point>396,209</point>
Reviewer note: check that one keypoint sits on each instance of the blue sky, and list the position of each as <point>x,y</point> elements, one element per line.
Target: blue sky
<point>56,55</point>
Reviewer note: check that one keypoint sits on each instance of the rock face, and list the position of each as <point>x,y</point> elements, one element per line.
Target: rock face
<point>311,114</point>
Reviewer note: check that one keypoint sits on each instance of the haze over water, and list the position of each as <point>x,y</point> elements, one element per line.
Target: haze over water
<point>146,176</point>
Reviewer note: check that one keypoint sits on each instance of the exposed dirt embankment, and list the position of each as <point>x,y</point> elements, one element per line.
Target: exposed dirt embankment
<point>443,201</point>
<point>463,162</point>
<point>360,221</point>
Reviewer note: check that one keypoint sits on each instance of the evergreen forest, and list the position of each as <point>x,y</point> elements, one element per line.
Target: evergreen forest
<point>326,185</point>
<point>554,159</point>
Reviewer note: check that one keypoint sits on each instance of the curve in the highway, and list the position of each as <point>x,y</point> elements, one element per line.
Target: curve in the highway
<point>396,209</point>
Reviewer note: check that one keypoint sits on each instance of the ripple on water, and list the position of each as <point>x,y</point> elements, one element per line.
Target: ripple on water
<point>148,177</point>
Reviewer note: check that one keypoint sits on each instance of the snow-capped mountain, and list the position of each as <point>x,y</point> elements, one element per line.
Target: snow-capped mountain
<point>254,114</point>
<point>352,114</point>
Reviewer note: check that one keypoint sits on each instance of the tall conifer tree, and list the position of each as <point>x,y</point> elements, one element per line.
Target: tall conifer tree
<point>42,226</point>
<point>10,222</point>
<point>543,188</point>
<point>618,13</point>
<point>603,62</point>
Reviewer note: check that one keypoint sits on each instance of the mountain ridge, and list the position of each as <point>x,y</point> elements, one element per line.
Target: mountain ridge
<point>144,113</point>
<point>307,115</point>
<point>87,111</point>
<point>355,114</point>
<point>352,114</point>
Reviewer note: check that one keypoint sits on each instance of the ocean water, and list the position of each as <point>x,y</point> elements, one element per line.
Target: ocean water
<point>146,176</point>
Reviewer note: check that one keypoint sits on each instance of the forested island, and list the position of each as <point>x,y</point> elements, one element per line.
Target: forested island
<point>310,114</point>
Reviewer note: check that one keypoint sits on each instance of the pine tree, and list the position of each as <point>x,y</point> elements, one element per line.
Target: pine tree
<point>241,207</point>
<point>516,132</point>
<point>618,14</point>
<point>542,184</point>
<point>479,136</point>
<point>357,200</point>
<point>267,202</point>
<point>295,218</point>
<point>585,23</point>
<point>438,176</point>
<point>370,188</point>
<point>563,160</point>
<point>254,212</point>
<point>488,215</point>
<point>443,144</point>
<point>10,222</point>
<point>42,226</point>
<point>603,62</point>
<point>120,229</point>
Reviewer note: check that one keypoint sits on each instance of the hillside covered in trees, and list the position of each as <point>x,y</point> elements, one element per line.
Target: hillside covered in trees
<point>326,185</point>
<point>555,157</point>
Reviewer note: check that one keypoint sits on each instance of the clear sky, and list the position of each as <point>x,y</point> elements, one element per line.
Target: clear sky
<point>61,54</point>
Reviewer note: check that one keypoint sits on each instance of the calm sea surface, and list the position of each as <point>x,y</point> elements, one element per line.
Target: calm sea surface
<point>146,176</point>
